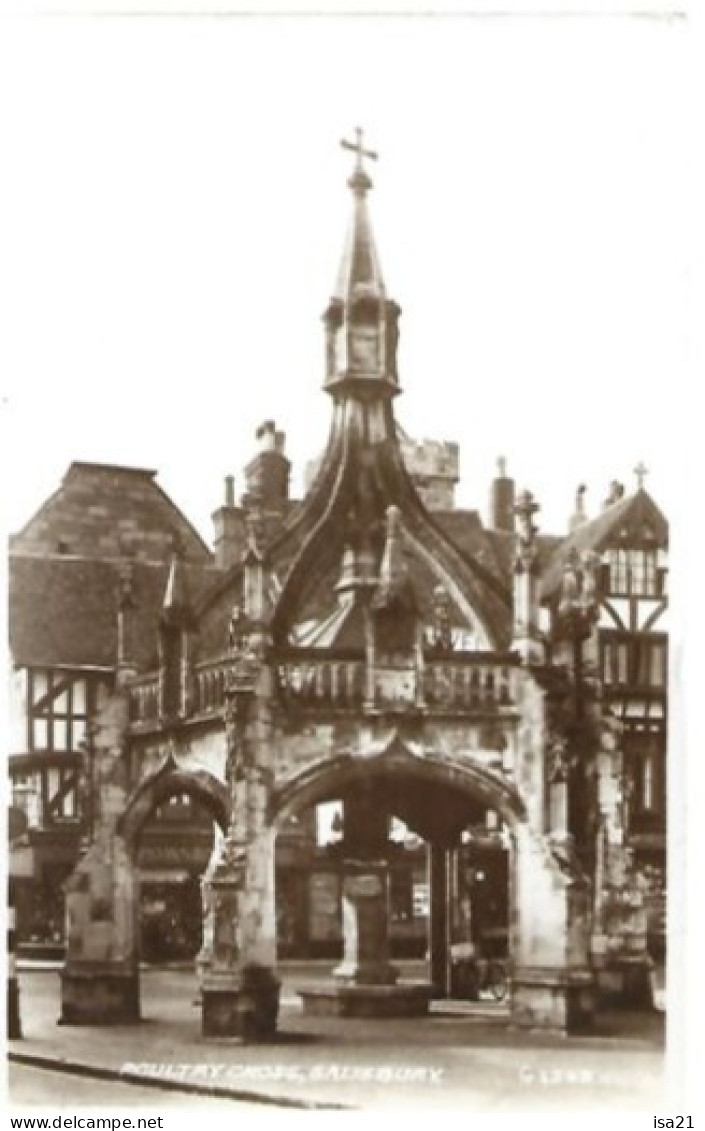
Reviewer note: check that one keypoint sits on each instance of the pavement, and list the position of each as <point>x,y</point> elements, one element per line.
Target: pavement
<point>463,1056</point>
<point>44,1087</point>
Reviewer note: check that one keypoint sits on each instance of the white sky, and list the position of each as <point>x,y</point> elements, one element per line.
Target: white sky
<point>176,205</point>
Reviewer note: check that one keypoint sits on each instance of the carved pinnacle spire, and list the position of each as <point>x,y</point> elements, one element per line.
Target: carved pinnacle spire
<point>359,268</point>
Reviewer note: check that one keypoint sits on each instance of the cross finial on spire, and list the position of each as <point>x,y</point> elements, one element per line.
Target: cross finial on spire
<point>359,181</point>
<point>641,471</point>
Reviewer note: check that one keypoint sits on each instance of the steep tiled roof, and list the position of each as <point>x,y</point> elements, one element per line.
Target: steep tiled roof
<point>465,530</point>
<point>63,610</point>
<point>592,535</point>
<point>103,511</point>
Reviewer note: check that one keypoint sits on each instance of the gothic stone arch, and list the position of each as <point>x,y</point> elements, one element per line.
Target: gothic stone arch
<point>102,895</point>
<point>547,901</point>
<point>277,752</point>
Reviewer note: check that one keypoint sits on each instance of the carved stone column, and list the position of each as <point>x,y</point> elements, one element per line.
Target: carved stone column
<point>240,992</point>
<point>526,637</point>
<point>552,982</point>
<point>100,976</point>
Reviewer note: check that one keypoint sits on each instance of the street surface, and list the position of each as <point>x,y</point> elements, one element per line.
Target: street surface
<point>463,1056</point>
<point>40,1087</point>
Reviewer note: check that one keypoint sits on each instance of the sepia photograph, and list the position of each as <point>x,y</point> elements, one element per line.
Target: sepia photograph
<point>343,433</point>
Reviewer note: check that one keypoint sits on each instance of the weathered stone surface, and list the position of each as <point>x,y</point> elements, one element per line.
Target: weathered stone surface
<point>99,994</point>
<point>365,926</point>
<point>552,999</point>
<point>245,1005</point>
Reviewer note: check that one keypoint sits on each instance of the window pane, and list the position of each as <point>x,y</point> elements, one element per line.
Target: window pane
<point>79,697</point>
<point>78,733</point>
<point>52,784</point>
<point>621,663</point>
<point>649,573</point>
<point>68,804</point>
<point>657,665</point>
<point>637,568</point>
<point>40,685</point>
<point>61,734</point>
<point>40,734</point>
<point>60,703</point>
<point>648,781</point>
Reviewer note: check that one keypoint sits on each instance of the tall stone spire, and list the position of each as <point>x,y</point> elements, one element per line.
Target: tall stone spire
<point>360,270</point>
<point>362,473</point>
<point>361,322</point>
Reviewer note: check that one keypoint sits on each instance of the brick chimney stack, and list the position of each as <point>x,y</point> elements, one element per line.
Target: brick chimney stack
<point>502,498</point>
<point>579,515</point>
<point>228,529</point>
<point>267,475</point>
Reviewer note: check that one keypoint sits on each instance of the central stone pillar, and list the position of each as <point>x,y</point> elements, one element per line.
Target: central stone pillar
<point>365,983</point>
<point>365,925</point>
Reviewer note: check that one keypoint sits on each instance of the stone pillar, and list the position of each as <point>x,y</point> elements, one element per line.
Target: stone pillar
<point>366,925</point>
<point>206,952</point>
<point>619,940</point>
<point>365,984</point>
<point>439,937</point>
<point>100,977</point>
<point>526,637</point>
<point>552,982</point>
<point>240,992</point>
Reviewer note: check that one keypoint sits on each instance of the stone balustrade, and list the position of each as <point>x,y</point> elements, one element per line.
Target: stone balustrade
<point>209,683</point>
<point>465,683</point>
<point>469,684</point>
<point>309,683</point>
<point>144,699</point>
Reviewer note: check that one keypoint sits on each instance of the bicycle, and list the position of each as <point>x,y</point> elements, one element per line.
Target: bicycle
<point>474,974</point>
<point>493,977</point>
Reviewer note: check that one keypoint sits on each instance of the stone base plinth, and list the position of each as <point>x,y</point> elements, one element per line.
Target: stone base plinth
<point>244,1003</point>
<point>366,974</point>
<point>553,1000</point>
<point>346,1000</point>
<point>99,995</point>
